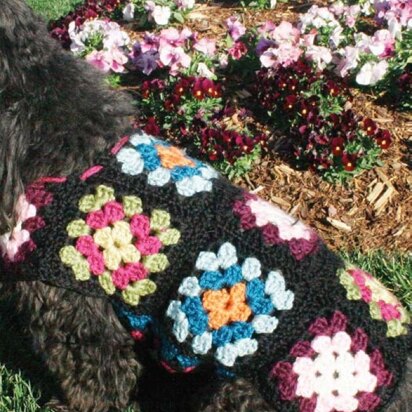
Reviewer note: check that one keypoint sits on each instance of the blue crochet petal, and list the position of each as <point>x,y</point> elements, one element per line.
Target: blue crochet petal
<point>232,275</point>
<point>150,156</point>
<point>212,280</point>
<point>180,172</point>
<point>257,300</point>
<point>196,315</point>
<point>222,336</point>
<point>241,330</point>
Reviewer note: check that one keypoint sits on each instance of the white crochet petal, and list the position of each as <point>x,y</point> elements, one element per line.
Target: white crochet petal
<point>202,343</point>
<point>158,177</point>
<point>227,255</point>
<point>227,354</point>
<point>251,269</point>
<point>190,287</point>
<point>207,261</point>
<point>246,346</point>
<point>132,163</point>
<point>265,323</point>
<point>140,138</point>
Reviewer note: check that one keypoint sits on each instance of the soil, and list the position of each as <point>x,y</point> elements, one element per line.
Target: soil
<point>374,210</point>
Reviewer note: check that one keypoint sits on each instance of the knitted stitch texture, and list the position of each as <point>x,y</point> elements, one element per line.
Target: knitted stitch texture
<point>213,274</point>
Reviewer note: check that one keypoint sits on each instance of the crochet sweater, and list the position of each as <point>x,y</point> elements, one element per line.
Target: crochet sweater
<point>214,274</point>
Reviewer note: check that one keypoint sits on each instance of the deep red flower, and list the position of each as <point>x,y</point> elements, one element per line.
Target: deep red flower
<point>290,102</point>
<point>369,126</point>
<point>383,139</point>
<point>349,162</point>
<point>151,127</point>
<point>338,145</point>
<point>332,88</point>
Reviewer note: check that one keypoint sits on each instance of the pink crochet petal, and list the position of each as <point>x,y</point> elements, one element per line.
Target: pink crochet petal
<point>120,278</point>
<point>86,246</point>
<point>97,220</point>
<point>368,401</point>
<point>308,405</point>
<point>320,327</point>
<point>96,263</point>
<point>33,223</point>
<point>135,271</point>
<point>339,321</point>
<point>388,311</point>
<point>140,226</point>
<point>359,340</point>
<point>113,211</point>
<point>302,348</point>
<point>149,246</point>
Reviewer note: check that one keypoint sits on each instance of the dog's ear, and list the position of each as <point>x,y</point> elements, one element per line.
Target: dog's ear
<point>13,143</point>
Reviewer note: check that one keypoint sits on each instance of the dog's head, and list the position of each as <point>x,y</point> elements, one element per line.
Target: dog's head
<point>56,111</point>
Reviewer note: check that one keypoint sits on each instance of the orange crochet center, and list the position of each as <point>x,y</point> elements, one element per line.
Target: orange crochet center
<point>226,306</point>
<point>172,157</point>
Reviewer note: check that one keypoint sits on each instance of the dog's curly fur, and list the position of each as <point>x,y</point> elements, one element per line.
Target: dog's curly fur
<point>56,115</point>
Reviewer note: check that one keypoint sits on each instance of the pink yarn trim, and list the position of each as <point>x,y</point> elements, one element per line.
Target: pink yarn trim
<point>137,335</point>
<point>47,179</point>
<point>90,172</point>
<point>119,145</point>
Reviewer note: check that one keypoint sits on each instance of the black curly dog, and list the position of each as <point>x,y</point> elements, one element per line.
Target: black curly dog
<point>56,116</point>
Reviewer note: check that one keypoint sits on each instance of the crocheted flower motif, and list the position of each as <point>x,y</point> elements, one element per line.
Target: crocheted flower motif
<point>16,244</point>
<point>164,163</point>
<point>118,244</point>
<point>383,305</point>
<point>227,305</point>
<point>334,372</point>
<point>277,226</point>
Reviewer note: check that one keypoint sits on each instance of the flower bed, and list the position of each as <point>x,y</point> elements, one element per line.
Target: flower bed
<point>308,58</point>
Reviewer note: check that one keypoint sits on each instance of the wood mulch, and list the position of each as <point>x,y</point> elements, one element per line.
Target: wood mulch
<point>374,210</point>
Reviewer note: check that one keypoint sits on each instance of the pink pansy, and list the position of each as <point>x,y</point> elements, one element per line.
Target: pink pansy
<point>309,39</point>
<point>320,55</point>
<point>173,37</point>
<point>11,242</point>
<point>185,4</point>
<point>285,55</point>
<point>235,27</point>
<point>285,32</point>
<point>269,57</point>
<point>175,57</point>
<point>382,43</point>
<point>348,62</point>
<point>98,60</point>
<point>288,227</point>
<point>150,42</point>
<point>206,46</point>
<point>266,27</point>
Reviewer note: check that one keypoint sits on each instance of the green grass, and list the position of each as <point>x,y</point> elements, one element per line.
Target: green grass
<point>53,9</point>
